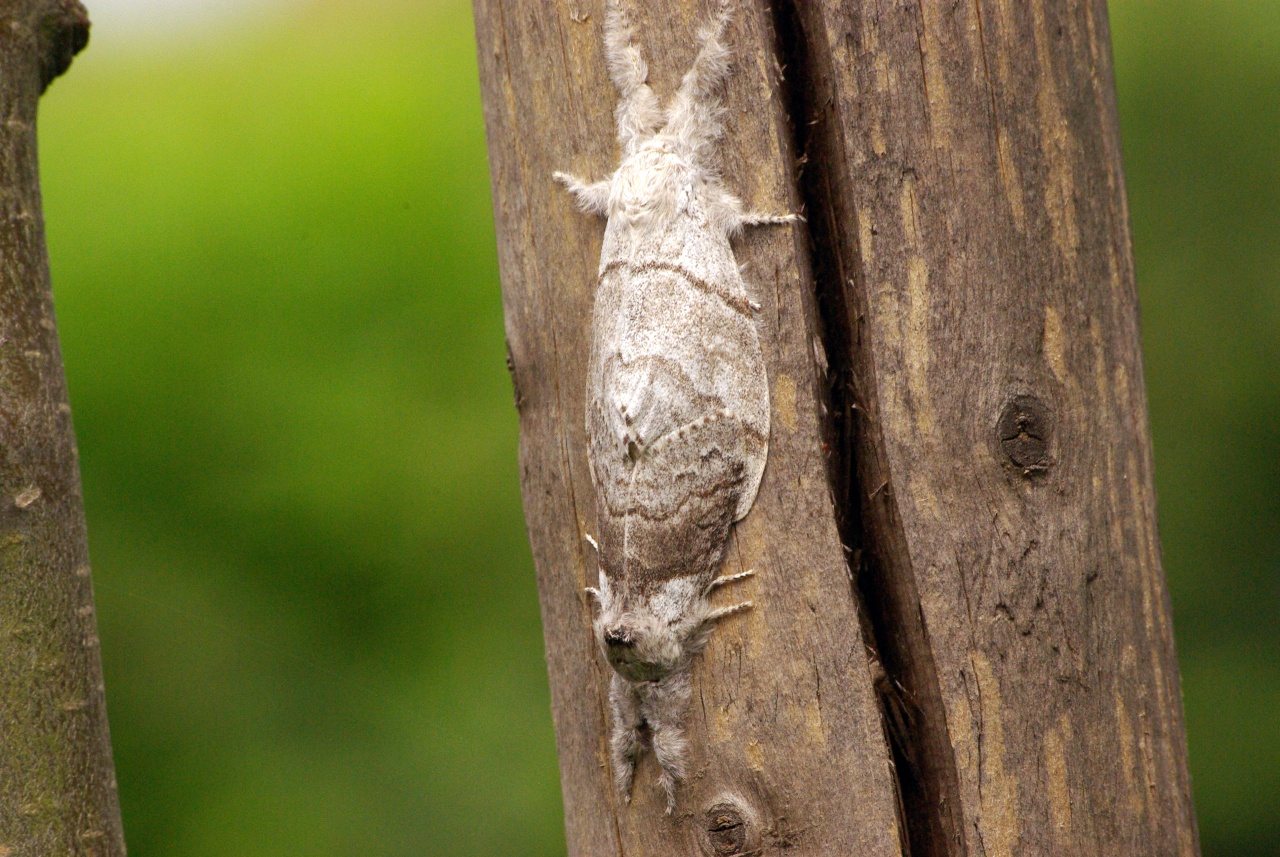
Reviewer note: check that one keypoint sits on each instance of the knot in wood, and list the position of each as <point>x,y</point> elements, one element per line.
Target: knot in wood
<point>726,830</point>
<point>1025,431</point>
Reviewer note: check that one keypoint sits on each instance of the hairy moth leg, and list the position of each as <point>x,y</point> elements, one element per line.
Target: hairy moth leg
<point>759,218</point>
<point>638,113</point>
<point>663,704</point>
<point>725,210</point>
<point>592,197</point>
<point>693,115</point>
<point>625,741</point>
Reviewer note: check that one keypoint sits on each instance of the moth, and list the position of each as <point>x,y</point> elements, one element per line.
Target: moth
<point>677,400</point>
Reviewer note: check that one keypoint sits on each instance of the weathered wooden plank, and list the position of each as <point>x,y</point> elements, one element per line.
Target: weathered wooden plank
<point>967,193</point>
<point>784,724</point>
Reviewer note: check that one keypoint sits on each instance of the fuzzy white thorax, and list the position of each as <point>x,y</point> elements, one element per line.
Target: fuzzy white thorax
<point>652,187</point>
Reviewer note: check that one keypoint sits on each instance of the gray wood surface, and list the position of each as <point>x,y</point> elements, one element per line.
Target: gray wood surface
<point>956,380</point>
<point>784,731</point>
<point>57,785</point>
<point>968,197</point>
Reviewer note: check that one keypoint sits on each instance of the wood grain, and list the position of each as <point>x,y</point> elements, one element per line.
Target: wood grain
<point>785,735</point>
<point>968,198</point>
<point>957,390</point>
<point>57,784</point>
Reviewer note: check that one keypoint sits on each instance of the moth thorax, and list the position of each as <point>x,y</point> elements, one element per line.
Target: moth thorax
<point>650,187</point>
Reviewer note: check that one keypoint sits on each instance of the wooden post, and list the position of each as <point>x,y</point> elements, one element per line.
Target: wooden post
<point>973,245</point>
<point>785,737</point>
<point>57,785</point>
<point>959,425</point>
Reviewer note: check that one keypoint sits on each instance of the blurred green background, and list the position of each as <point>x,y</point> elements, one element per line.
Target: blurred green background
<point>274,261</point>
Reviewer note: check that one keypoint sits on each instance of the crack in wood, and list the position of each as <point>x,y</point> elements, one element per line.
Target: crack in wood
<point>922,765</point>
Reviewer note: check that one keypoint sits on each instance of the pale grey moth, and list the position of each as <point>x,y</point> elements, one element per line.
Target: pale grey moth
<point>677,402</point>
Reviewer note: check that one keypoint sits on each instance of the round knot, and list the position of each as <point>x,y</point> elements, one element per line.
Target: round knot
<point>1025,431</point>
<point>726,830</point>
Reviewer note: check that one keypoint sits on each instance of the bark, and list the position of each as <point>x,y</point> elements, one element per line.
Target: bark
<point>57,786</point>
<point>959,425</point>
<point>969,202</point>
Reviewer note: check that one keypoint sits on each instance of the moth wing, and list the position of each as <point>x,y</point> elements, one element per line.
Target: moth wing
<point>648,397</point>
<point>721,352</point>
<point>682,496</point>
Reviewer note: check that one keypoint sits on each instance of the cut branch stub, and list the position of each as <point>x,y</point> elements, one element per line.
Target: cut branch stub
<point>63,32</point>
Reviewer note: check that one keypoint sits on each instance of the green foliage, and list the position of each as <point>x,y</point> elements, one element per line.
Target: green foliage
<point>274,261</point>
<point>279,306</point>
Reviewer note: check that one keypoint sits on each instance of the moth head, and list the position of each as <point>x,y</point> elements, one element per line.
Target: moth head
<point>640,646</point>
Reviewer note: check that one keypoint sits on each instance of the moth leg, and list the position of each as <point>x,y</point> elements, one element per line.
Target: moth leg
<point>730,578</point>
<point>663,710</point>
<point>693,116</point>
<point>757,218</point>
<point>725,212</point>
<point>638,113</point>
<point>701,635</point>
<point>592,198</point>
<point>721,612</point>
<point>668,749</point>
<point>711,66</point>
<point>625,741</point>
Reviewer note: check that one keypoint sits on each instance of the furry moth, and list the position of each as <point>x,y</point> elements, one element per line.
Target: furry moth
<point>677,395</point>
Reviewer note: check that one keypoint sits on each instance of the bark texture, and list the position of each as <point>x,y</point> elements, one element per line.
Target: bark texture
<point>974,250</point>
<point>785,739</point>
<point>57,785</point>
<point>957,392</point>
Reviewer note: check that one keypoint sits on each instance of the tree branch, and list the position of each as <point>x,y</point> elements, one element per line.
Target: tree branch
<point>57,785</point>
